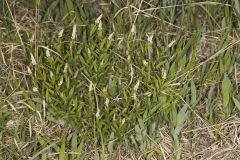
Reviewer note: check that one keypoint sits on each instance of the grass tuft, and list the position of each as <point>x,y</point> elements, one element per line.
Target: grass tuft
<point>119,79</point>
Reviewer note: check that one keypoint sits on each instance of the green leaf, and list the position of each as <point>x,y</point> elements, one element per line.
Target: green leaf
<point>50,9</point>
<point>112,86</point>
<point>62,149</point>
<point>182,116</point>
<point>226,90</point>
<point>71,92</point>
<point>80,148</point>
<point>44,144</point>
<point>42,151</point>
<point>193,92</point>
<point>221,67</point>
<point>74,143</point>
<point>236,102</point>
<point>69,5</point>
<point>111,143</point>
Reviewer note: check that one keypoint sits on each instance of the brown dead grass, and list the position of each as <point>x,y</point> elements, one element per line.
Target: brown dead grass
<point>218,141</point>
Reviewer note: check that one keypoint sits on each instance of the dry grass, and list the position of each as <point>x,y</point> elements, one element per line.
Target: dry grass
<point>218,141</point>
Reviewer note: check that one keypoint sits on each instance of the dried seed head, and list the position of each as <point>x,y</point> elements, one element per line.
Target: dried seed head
<point>150,38</point>
<point>145,63</point>
<point>33,60</point>
<point>35,89</point>
<point>65,68</point>
<point>99,22</point>
<point>110,36</point>
<point>60,34</point>
<point>51,74</point>
<point>123,120</point>
<point>74,31</point>
<point>134,96</point>
<point>135,88</point>
<point>47,53</point>
<point>133,29</point>
<point>164,73</point>
<point>29,70</point>
<point>107,102</point>
<point>90,86</point>
<point>60,82</point>
<point>171,43</point>
<point>98,113</point>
